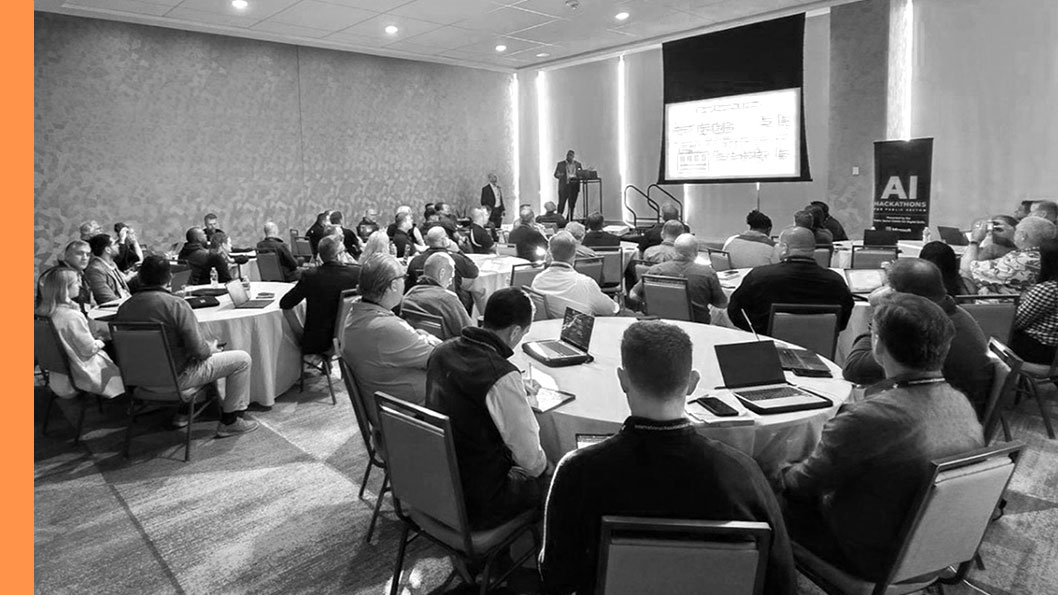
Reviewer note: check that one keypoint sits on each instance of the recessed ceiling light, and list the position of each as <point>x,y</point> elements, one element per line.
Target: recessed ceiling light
<point>392,29</point>
<point>621,16</point>
<point>501,48</point>
<point>543,55</point>
<point>240,4</point>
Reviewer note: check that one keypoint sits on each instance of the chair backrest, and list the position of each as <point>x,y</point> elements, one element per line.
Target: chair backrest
<point>812,326</point>
<point>880,237</point>
<point>507,249</point>
<point>1006,366</point>
<point>592,267</point>
<point>268,266</point>
<point>302,247</point>
<point>366,413</point>
<point>720,260</point>
<point>675,556</point>
<point>47,349</point>
<point>143,356</point>
<point>869,257</point>
<point>422,465</point>
<point>540,305</point>
<point>667,297</point>
<point>823,256</point>
<point>347,299</point>
<point>418,319</point>
<point>294,235</point>
<point>613,264</point>
<point>639,267</point>
<point>948,519</point>
<point>522,275</point>
<point>180,279</point>
<point>994,316</point>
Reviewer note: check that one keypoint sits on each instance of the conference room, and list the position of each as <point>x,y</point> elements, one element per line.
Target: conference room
<point>206,170</point>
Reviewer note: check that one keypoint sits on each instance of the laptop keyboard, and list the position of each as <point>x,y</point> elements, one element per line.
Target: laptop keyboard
<point>562,349</point>
<point>765,394</point>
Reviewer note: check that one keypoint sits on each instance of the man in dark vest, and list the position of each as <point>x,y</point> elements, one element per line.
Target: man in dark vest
<point>469,378</point>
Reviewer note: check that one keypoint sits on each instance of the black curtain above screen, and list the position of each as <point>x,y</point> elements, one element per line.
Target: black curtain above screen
<point>753,58</point>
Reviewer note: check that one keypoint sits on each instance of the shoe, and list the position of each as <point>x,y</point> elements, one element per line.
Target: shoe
<point>180,420</point>
<point>258,407</point>
<point>242,425</point>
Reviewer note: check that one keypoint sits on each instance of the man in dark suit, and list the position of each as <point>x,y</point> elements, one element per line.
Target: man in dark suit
<point>652,237</point>
<point>322,288</point>
<point>566,173</point>
<point>349,237</point>
<point>492,199</point>
<point>596,236</point>
<point>273,243</point>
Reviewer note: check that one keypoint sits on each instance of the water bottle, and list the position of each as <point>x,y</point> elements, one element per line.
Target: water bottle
<point>213,277</point>
<point>927,235</point>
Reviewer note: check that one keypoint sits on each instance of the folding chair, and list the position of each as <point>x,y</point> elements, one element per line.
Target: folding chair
<point>945,525</point>
<point>720,260</point>
<point>613,266</point>
<point>1031,377</point>
<point>667,297</point>
<point>540,304</point>
<point>150,377</point>
<point>522,275</point>
<point>428,493</point>
<point>294,235</point>
<point>680,556</point>
<point>812,326</point>
<point>592,267</point>
<point>268,266</point>
<point>346,300</point>
<point>302,248</point>
<point>1006,366</point>
<point>640,267</point>
<point>52,359</point>
<point>823,256</point>
<point>993,313</point>
<point>418,319</point>
<point>872,257</point>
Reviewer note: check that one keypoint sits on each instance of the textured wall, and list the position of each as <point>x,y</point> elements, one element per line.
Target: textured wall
<point>156,127</point>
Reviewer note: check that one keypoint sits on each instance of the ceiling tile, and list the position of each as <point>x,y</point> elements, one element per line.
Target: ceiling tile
<point>321,15</point>
<point>445,38</point>
<point>489,47</point>
<point>256,11</point>
<point>444,12</point>
<point>360,41</point>
<point>505,20</point>
<point>199,17</point>
<point>129,6</point>
<point>372,5</point>
<point>376,27</point>
<point>287,29</point>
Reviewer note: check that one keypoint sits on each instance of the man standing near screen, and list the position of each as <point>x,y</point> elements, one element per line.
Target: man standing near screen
<point>566,172</point>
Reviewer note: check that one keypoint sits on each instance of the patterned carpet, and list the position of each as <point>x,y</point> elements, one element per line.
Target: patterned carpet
<point>277,511</point>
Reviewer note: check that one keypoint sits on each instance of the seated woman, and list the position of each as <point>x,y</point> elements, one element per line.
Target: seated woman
<point>943,256</point>
<point>93,370</point>
<point>377,243</point>
<point>1035,336</point>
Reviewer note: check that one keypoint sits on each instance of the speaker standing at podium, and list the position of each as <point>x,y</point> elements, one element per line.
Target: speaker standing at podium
<point>567,172</point>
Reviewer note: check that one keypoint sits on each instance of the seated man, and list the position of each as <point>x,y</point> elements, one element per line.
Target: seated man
<point>403,235</point>
<point>848,501</point>
<point>437,241</point>
<point>107,282</point>
<point>656,466</point>
<point>273,243</point>
<point>551,217</point>
<point>195,240</point>
<point>1047,209</point>
<point>966,367</point>
<point>385,353</point>
<point>652,237</point>
<point>129,250</point>
<point>527,239</point>
<point>202,260</point>
<point>664,251</point>
<point>368,225</point>
<point>321,288</point>
<point>703,286</point>
<point>349,237</point>
<point>837,231</point>
<point>431,294</point>
<point>1015,271</point>
<point>753,247</point>
<point>76,256</point>
<point>317,231</point>
<point>578,232</point>
<point>596,236</point>
<point>471,380</point>
<point>479,239</point>
<point>1000,238</point>
<point>209,223</point>
<point>564,286</point>
<point>796,279</point>
<point>443,218</point>
<point>812,218</point>
<point>197,362</point>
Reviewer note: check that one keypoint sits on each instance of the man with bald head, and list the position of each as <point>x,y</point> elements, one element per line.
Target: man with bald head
<point>703,286</point>
<point>1015,271</point>
<point>273,243</point>
<point>966,367</point>
<point>665,251</point>
<point>795,279</point>
<point>437,241</point>
<point>564,286</point>
<point>550,216</point>
<point>578,232</point>
<point>195,240</point>
<point>479,239</point>
<point>669,212</point>
<point>432,295</point>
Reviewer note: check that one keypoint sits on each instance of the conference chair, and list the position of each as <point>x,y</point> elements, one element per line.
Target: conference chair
<point>591,266</point>
<point>52,359</point>
<point>993,313</point>
<point>294,235</point>
<point>425,321</point>
<point>540,305</point>
<point>321,362</point>
<point>944,526</point>
<point>667,297</point>
<point>680,556</point>
<point>428,494</point>
<point>613,266</point>
<point>268,266</point>
<point>1030,377</point>
<point>871,257</point>
<point>180,278</point>
<point>302,248</point>
<point>823,256</point>
<point>150,377</point>
<point>1006,368</point>
<point>367,422</point>
<point>640,267</point>
<point>812,326</point>
<point>720,260</point>
<point>522,275</point>
<point>505,249</point>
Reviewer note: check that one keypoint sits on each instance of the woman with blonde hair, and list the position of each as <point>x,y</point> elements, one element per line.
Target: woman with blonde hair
<point>377,243</point>
<point>93,370</point>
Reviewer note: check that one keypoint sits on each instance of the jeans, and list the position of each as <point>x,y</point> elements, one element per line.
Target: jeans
<point>233,366</point>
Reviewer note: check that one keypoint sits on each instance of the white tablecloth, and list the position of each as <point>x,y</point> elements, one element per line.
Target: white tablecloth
<point>600,406</point>
<point>494,272</point>
<point>842,258</point>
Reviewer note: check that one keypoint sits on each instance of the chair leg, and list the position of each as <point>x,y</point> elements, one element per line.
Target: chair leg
<point>363,483</point>
<point>187,433</point>
<point>47,412</point>
<point>378,508</point>
<point>1006,427</point>
<point>301,376</point>
<point>1044,413</point>
<point>128,430</point>
<point>330,384</point>
<point>484,586</point>
<point>398,566</point>
<point>80,418</point>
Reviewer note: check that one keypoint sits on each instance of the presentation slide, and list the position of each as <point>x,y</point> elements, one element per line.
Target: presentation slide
<point>736,137</point>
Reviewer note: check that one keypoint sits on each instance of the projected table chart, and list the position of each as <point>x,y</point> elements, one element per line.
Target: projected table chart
<point>600,406</point>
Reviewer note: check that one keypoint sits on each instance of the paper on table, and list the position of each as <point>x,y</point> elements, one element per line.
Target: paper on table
<point>700,414</point>
<point>547,399</point>
<point>543,378</point>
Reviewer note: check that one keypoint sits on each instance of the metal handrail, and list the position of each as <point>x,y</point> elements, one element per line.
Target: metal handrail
<point>650,202</point>
<point>671,197</point>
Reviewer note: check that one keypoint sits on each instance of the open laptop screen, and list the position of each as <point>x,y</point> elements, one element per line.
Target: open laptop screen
<point>237,292</point>
<point>749,364</point>
<point>576,328</point>
<point>864,280</point>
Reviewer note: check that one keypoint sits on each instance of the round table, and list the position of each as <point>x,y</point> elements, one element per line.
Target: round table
<point>261,332</point>
<point>842,258</point>
<point>600,406</point>
<point>494,272</point>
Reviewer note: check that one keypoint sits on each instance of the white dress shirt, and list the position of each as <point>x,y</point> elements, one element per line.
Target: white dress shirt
<point>564,286</point>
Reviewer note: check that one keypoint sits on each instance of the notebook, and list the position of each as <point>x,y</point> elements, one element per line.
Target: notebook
<point>952,236</point>
<point>571,348</point>
<point>864,281</point>
<point>880,237</point>
<point>753,373</point>
<point>241,300</point>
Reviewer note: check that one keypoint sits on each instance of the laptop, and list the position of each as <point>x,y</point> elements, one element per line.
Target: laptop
<point>864,281</point>
<point>753,373</point>
<point>243,301</point>
<point>571,348</point>
<point>880,237</point>
<point>952,236</point>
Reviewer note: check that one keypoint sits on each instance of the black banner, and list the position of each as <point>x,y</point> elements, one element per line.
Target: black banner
<point>901,186</point>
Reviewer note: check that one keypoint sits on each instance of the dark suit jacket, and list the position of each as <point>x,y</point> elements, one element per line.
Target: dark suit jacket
<point>797,280</point>
<point>352,243</point>
<point>552,217</point>
<point>527,240</point>
<point>600,238</point>
<point>322,288</point>
<point>480,239</point>
<point>287,262</point>
<point>489,199</point>
<point>653,236</point>
<point>560,171</point>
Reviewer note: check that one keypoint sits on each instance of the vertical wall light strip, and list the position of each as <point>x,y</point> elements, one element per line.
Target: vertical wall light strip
<point>622,128</point>
<point>909,65</point>
<point>516,121</point>
<point>543,120</point>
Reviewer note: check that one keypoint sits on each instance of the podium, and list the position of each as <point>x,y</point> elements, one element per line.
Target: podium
<point>585,195</point>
